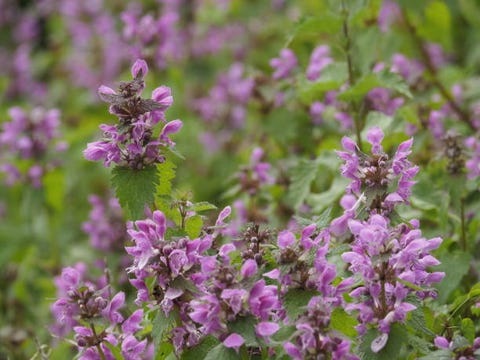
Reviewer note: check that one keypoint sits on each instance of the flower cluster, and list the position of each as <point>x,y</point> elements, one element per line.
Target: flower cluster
<point>314,339</point>
<point>391,263</point>
<point>27,141</point>
<point>131,143</point>
<point>81,304</point>
<point>377,180</point>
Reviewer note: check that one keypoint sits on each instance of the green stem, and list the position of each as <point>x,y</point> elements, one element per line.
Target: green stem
<point>463,237</point>
<point>99,348</point>
<point>351,77</point>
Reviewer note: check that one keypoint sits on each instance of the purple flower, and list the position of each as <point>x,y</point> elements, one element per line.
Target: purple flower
<point>383,257</point>
<point>319,60</point>
<point>266,328</point>
<point>234,340</point>
<point>284,65</point>
<point>132,348</point>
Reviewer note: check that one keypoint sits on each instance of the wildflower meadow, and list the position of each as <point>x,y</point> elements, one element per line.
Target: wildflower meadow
<point>240,179</point>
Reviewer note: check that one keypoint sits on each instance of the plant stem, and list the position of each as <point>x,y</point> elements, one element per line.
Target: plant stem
<point>351,76</point>
<point>463,238</point>
<point>462,114</point>
<point>99,348</point>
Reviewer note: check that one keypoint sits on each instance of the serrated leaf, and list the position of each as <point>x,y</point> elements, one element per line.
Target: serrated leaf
<point>302,176</point>
<point>295,301</point>
<point>135,189</point>
<point>166,173</point>
<point>331,78</point>
<point>455,265</point>
<point>419,344</point>
<point>193,226</point>
<point>343,322</point>
<point>223,353</point>
<point>200,350</point>
<point>161,324</point>
<point>245,326</point>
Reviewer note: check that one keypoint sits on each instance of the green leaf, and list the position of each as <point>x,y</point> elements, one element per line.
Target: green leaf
<point>202,206</point>
<point>455,265</point>
<point>284,333</point>
<point>220,352</point>
<point>443,354</point>
<point>166,173</point>
<point>193,226</point>
<point>54,183</point>
<point>384,79</point>
<point>245,326</point>
<point>321,221</point>
<point>437,24</point>
<point>468,329</point>
<point>295,301</point>
<point>135,189</point>
<point>396,339</point>
<point>463,303</point>
<point>115,350</point>
<point>164,351</point>
<point>200,350</point>
<point>302,176</point>
<point>332,77</point>
<point>315,26</point>
<point>161,324</point>
<point>343,322</point>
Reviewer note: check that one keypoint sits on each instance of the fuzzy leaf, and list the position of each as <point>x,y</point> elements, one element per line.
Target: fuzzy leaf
<point>161,324</point>
<point>245,326</point>
<point>200,350</point>
<point>295,301</point>
<point>135,189</point>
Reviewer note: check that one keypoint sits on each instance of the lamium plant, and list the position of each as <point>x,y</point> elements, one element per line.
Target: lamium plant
<point>318,200</point>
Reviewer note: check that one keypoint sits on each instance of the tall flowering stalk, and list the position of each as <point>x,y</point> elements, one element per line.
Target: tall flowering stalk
<point>390,263</point>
